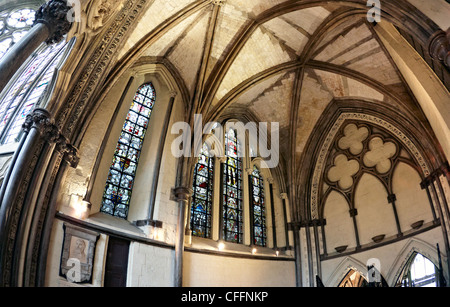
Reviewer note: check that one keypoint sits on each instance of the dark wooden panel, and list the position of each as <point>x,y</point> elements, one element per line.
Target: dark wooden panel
<point>116,263</point>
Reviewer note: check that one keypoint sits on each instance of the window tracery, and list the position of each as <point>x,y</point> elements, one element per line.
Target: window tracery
<point>258,208</point>
<point>122,172</point>
<point>27,88</point>
<point>232,190</point>
<point>201,209</point>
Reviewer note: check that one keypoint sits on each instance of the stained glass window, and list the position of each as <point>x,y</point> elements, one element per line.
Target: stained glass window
<point>27,89</point>
<point>202,198</point>
<point>120,181</point>
<point>232,190</point>
<point>28,86</point>
<point>258,208</point>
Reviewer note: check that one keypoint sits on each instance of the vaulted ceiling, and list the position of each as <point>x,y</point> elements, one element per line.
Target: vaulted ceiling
<point>279,60</point>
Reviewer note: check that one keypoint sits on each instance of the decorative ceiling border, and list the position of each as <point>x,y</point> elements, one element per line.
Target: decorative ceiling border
<point>97,65</point>
<point>323,153</point>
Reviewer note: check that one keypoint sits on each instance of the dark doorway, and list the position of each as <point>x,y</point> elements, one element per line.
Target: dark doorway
<point>116,263</point>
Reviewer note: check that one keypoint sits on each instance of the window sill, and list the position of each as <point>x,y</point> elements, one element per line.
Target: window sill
<point>228,249</point>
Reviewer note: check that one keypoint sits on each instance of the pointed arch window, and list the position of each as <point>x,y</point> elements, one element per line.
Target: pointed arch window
<point>121,176</point>
<point>232,190</point>
<point>14,24</point>
<point>419,272</point>
<point>258,208</point>
<point>201,209</point>
<point>29,86</point>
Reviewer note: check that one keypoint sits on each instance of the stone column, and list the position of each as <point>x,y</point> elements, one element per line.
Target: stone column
<point>25,177</point>
<point>50,25</point>
<point>182,195</point>
<point>298,254</point>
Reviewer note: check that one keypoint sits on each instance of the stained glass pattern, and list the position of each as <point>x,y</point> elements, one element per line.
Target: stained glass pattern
<point>258,208</point>
<point>202,197</point>
<point>27,89</point>
<point>14,24</point>
<point>232,191</point>
<point>120,181</point>
<point>31,81</point>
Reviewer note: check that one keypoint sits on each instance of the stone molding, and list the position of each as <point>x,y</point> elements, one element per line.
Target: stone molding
<point>41,120</point>
<point>323,154</point>
<point>54,14</point>
<point>439,47</point>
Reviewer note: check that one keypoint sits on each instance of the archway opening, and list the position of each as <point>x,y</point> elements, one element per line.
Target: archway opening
<point>418,272</point>
<point>353,279</point>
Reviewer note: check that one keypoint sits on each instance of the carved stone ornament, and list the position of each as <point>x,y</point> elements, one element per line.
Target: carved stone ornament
<point>218,2</point>
<point>101,11</point>
<point>54,14</point>
<point>439,47</point>
<point>182,193</point>
<point>41,120</point>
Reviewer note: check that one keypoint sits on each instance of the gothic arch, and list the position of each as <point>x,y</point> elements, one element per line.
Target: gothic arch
<point>412,246</point>
<point>406,128</point>
<point>343,268</point>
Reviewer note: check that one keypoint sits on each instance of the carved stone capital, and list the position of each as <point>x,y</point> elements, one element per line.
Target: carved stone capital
<point>39,119</point>
<point>71,155</point>
<point>284,196</point>
<point>55,15</point>
<point>249,171</point>
<point>439,47</point>
<point>182,193</point>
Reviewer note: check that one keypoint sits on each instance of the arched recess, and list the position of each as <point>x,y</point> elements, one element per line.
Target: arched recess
<point>339,230</point>
<point>406,128</point>
<point>99,137</point>
<point>412,203</point>
<point>411,247</point>
<point>375,215</point>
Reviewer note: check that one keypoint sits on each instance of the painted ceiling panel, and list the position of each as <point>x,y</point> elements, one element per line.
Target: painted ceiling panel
<point>356,48</point>
<point>253,93</point>
<point>308,19</point>
<point>261,52</point>
<point>159,11</point>
<point>162,45</point>
<point>287,34</point>
<point>255,7</point>
<point>186,54</point>
<point>230,22</point>
<point>314,99</point>
<point>273,104</point>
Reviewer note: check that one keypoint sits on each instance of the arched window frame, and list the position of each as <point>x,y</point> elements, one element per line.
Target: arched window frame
<point>202,198</point>
<point>248,162</point>
<point>258,208</point>
<point>31,86</point>
<point>232,190</point>
<point>407,278</point>
<point>120,181</point>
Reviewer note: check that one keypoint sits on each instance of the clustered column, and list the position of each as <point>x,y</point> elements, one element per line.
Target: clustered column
<point>50,25</point>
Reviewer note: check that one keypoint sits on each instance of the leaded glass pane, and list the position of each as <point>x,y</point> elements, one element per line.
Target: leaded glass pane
<point>121,177</point>
<point>201,208</point>
<point>14,24</point>
<point>232,191</point>
<point>258,208</point>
